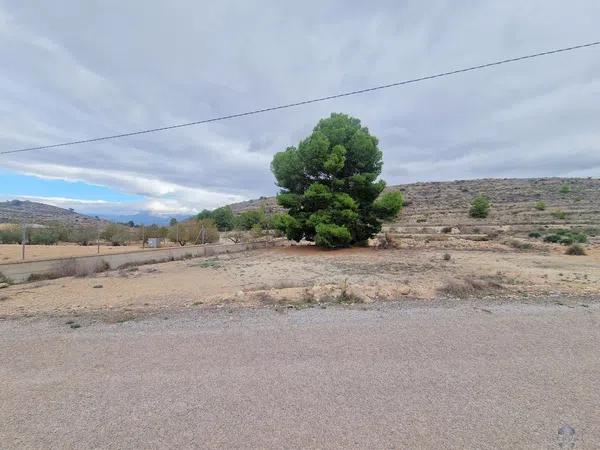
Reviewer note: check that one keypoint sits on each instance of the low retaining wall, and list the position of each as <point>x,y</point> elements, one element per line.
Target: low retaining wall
<point>22,271</point>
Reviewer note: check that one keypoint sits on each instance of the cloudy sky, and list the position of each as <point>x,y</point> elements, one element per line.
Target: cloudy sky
<point>73,70</point>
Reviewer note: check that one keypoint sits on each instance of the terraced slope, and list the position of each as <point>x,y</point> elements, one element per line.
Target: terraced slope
<point>513,201</point>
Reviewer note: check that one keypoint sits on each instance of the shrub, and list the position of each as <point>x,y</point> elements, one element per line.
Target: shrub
<point>480,207</point>
<point>575,249</point>
<point>566,237</point>
<point>83,235</point>
<point>535,234</point>
<point>116,234</point>
<point>565,188</point>
<point>42,236</point>
<point>446,229</point>
<point>447,257</point>
<point>540,206</point>
<point>554,238</point>
<point>12,235</point>
<point>559,214</point>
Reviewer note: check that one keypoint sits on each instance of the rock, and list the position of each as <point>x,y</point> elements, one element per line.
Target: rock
<point>403,290</point>
<point>4,285</point>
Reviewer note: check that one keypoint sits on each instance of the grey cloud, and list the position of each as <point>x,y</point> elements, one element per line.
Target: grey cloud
<point>75,71</point>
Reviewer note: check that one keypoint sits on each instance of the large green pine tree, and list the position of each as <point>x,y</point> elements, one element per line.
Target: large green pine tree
<point>330,185</point>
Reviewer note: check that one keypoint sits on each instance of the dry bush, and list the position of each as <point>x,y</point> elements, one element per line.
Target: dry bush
<point>469,287</point>
<point>575,249</point>
<point>386,241</point>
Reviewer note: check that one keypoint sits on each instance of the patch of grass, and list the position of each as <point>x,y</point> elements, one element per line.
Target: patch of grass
<point>575,250</point>
<point>469,287</point>
<point>211,263</point>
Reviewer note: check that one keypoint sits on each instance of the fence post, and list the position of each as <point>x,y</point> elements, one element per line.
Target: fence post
<point>24,231</point>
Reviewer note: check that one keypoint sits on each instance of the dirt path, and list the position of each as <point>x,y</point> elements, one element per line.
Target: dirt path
<point>454,375</point>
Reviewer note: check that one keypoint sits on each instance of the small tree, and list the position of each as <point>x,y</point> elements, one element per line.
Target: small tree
<point>116,234</point>
<point>83,235</point>
<point>190,231</point>
<point>330,185</point>
<point>223,218</point>
<point>480,207</point>
<point>249,219</point>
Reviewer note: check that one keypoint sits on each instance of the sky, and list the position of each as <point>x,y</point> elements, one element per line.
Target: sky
<point>75,70</point>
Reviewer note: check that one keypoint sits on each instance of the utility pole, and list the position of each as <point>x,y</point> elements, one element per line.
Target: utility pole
<point>143,237</point>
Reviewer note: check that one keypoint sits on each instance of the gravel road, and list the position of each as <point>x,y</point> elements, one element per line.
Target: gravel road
<point>401,375</point>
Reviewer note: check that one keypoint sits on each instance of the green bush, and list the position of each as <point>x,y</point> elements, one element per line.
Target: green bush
<point>554,238</point>
<point>10,236</point>
<point>480,207</point>
<point>83,235</point>
<point>565,188</point>
<point>43,236</point>
<point>566,237</point>
<point>559,214</point>
<point>535,234</point>
<point>540,206</point>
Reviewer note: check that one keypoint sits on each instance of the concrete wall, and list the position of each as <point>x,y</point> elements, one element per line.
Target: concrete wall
<point>21,271</point>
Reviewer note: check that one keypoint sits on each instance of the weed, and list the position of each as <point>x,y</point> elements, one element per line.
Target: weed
<point>211,263</point>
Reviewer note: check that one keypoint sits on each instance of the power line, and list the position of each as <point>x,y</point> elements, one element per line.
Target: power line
<point>305,102</point>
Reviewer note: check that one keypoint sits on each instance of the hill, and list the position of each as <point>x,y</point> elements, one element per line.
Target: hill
<point>513,201</point>
<point>18,211</point>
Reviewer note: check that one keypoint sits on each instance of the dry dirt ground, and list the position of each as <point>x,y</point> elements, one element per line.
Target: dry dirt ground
<point>300,277</point>
<point>12,252</point>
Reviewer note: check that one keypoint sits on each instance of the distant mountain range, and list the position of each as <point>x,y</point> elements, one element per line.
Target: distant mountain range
<point>24,211</point>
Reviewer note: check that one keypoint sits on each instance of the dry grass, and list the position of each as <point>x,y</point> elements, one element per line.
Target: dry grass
<point>73,268</point>
<point>469,287</point>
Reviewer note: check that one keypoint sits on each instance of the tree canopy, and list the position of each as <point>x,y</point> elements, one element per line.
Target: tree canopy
<point>330,185</point>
